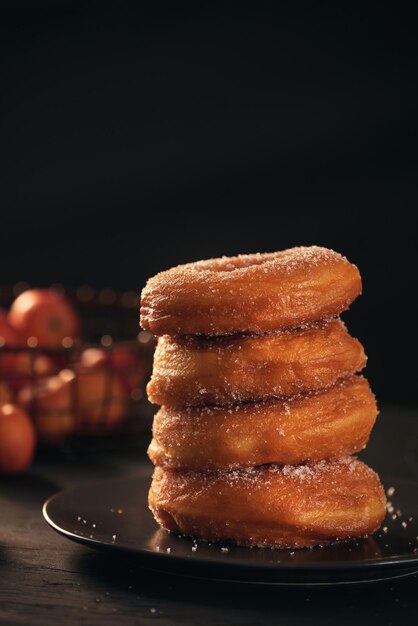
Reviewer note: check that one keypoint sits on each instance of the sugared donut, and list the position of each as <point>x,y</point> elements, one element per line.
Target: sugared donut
<point>253,293</point>
<point>224,370</point>
<point>326,424</point>
<point>271,506</point>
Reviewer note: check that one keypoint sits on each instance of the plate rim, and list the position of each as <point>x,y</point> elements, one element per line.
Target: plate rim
<point>367,564</point>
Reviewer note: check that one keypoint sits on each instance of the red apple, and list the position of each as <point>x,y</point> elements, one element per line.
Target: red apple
<point>5,393</point>
<point>129,365</point>
<point>44,314</point>
<point>8,336</point>
<point>17,440</point>
<point>11,360</point>
<point>102,399</point>
<point>18,367</point>
<point>86,400</point>
<point>21,368</point>
<point>52,407</point>
<point>121,360</point>
<point>93,358</point>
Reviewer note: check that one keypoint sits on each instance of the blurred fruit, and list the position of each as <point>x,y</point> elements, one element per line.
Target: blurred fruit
<point>51,405</point>
<point>120,360</point>
<point>23,367</point>
<point>129,365</point>
<point>102,399</point>
<point>8,336</point>
<point>81,401</point>
<point>93,357</point>
<point>5,393</point>
<point>17,440</point>
<point>44,314</point>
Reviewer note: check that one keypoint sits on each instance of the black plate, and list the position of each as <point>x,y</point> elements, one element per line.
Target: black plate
<point>113,515</point>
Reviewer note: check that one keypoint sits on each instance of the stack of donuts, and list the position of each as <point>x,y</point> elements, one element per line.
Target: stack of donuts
<point>262,405</point>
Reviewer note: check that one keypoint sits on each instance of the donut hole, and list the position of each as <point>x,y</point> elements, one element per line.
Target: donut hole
<point>290,259</point>
<point>230,264</point>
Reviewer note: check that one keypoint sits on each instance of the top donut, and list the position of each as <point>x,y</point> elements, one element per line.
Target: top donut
<point>251,293</point>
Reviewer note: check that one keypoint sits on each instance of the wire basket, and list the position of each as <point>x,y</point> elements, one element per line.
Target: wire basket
<point>87,388</point>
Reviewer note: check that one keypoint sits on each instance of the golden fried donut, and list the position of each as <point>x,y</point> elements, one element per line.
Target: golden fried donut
<point>290,506</point>
<point>225,370</point>
<point>330,423</point>
<point>253,293</point>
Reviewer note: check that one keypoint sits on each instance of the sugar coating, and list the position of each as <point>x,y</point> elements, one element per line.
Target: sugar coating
<point>271,505</point>
<point>260,476</point>
<point>249,293</point>
<point>197,371</point>
<point>254,408</point>
<point>285,260</point>
<point>214,305</point>
<point>299,473</point>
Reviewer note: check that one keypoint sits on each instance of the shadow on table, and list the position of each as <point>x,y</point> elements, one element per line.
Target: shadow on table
<point>28,488</point>
<point>248,603</point>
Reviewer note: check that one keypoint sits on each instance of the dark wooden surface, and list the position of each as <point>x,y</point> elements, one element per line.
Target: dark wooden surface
<point>45,579</point>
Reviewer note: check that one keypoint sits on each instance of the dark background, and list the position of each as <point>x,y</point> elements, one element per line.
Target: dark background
<point>138,137</point>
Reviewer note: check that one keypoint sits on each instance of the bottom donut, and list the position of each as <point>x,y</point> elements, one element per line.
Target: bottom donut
<point>271,506</point>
